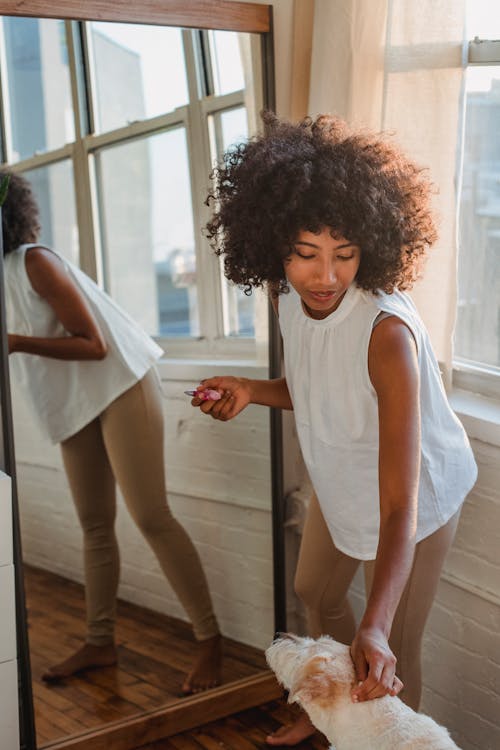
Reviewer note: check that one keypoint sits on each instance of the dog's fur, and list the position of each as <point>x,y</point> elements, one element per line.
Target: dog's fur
<point>319,675</point>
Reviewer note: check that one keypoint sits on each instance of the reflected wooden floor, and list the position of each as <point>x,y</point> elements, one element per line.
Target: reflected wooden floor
<point>155,652</point>
<point>243,731</point>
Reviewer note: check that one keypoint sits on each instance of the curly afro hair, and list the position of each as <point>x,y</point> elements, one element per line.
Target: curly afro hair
<point>20,213</point>
<point>312,175</point>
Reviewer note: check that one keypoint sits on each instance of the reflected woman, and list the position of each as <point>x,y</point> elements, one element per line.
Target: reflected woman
<point>88,372</point>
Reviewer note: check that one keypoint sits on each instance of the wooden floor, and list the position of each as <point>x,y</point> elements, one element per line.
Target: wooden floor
<point>244,731</point>
<point>155,652</point>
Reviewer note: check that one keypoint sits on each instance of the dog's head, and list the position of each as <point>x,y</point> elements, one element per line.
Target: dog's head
<point>311,670</point>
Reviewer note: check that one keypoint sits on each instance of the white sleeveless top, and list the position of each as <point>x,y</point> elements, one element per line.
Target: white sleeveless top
<point>66,395</point>
<point>335,406</point>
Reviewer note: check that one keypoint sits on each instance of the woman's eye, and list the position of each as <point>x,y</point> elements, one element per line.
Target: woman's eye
<point>345,257</point>
<point>302,255</point>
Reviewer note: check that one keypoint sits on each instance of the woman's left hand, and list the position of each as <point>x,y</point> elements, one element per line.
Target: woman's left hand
<point>375,666</point>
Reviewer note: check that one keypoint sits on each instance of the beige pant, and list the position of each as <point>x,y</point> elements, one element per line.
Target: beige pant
<point>324,575</point>
<point>125,443</point>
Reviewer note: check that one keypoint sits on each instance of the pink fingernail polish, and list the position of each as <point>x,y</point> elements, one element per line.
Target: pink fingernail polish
<point>206,395</point>
<point>211,395</point>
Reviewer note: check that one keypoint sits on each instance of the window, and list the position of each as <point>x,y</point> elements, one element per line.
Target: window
<point>118,126</point>
<point>53,185</point>
<point>227,128</point>
<point>477,337</point>
<point>150,62</point>
<point>147,231</point>
<point>35,82</point>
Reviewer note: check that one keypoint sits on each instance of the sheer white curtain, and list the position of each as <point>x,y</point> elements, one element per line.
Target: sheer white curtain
<point>397,65</point>
<point>347,67</point>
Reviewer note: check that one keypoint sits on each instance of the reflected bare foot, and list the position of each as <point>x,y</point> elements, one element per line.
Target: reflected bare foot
<point>206,671</point>
<point>88,656</point>
<point>294,733</point>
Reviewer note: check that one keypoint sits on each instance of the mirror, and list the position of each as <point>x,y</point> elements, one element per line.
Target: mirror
<point>118,157</point>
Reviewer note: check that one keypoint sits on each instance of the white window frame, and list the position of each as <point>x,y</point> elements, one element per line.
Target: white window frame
<point>213,341</point>
<point>467,375</point>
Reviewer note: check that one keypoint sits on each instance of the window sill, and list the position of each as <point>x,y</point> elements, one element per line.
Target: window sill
<point>196,369</point>
<point>479,415</point>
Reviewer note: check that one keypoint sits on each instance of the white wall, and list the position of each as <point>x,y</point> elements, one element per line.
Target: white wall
<point>462,649</point>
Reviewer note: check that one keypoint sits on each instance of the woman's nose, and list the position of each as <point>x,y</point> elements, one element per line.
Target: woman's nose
<point>326,272</point>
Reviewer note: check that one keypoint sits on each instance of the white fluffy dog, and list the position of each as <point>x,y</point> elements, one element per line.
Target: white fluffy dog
<point>319,675</point>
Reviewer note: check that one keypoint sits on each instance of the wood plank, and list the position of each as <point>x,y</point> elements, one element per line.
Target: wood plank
<point>89,709</point>
<point>160,688</point>
<point>205,740</point>
<point>99,703</point>
<point>227,735</point>
<point>186,714</point>
<point>253,725</point>
<point>200,14</point>
<point>58,722</point>
<point>185,741</point>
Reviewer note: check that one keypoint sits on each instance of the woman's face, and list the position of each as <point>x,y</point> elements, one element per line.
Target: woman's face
<point>321,268</point>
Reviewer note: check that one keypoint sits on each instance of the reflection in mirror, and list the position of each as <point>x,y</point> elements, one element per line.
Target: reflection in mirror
<point>53,184</point>
<point>148,231</point>
<point>35,79</point>
<point>117,126</point>
<point>135,55</point>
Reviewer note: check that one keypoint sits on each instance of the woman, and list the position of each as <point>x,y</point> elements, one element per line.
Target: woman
<point>338,223</point>
<point>88,371</point>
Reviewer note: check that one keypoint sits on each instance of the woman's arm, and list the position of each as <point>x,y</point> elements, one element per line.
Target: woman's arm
<point>50,280</point>
<point>394,372</point>
<point>237,393</point>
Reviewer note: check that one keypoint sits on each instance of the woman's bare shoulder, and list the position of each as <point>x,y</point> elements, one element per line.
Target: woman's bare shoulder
<point>44,268</point>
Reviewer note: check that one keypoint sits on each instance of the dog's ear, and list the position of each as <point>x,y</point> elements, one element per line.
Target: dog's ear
<point>315,683</point>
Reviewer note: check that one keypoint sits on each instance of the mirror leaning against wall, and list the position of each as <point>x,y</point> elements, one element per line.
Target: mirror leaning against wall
<point>116,126</point>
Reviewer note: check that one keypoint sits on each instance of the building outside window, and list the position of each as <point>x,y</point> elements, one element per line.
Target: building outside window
<point>477,336</point>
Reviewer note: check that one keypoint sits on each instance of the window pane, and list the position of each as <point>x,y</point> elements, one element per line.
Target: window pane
<point>229,128</point>
<point>478,326</point>
<point>139,72</point>
<point>483,19</point>
<point>227,66</point>
<point>39,112</point>
<point>234,127</point>
<point>147,232</point>
<point>53,187</point>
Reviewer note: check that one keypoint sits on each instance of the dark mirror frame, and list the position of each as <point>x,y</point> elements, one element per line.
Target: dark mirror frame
<point>201,14</point>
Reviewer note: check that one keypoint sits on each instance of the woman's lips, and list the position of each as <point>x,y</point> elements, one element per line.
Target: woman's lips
<point>322,296</point>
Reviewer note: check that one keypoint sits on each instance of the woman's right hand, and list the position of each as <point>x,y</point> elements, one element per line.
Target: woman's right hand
<point>236,394</point>
<point>375,665</point>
